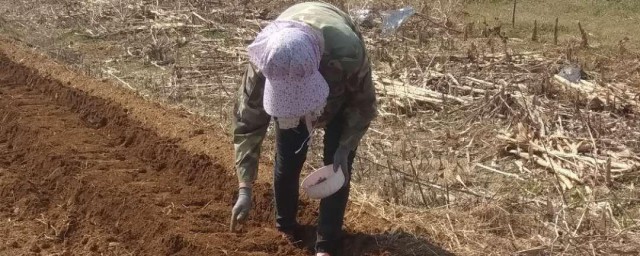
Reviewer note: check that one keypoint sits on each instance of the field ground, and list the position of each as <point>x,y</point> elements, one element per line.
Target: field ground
<point>610,24</point>
<point>87,168</point>
<point>478,148</point>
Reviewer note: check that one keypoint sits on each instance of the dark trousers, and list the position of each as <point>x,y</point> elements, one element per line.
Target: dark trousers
<point>287,182</point>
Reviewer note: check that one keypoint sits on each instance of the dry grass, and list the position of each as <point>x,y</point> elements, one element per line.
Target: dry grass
<point>607,22</point>
<point>448,165</point>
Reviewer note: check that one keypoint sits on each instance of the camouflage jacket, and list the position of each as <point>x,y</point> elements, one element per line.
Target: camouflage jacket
<point>344,65</point>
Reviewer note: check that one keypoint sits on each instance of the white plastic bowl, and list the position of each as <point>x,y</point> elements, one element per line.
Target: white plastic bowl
<point>323,182</point>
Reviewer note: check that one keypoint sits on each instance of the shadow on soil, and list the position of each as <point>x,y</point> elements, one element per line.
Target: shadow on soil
<point>387,244</point>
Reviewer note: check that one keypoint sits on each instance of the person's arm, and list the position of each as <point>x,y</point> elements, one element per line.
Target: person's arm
<point>250,123</point>
<point>360,107</point>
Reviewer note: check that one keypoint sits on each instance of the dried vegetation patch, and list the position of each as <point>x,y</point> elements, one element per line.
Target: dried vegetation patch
<point>479,145</point>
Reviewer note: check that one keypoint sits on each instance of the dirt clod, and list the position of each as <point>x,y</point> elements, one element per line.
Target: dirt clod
<point>94,247</point>
<point>45,245</point>
<point>14,244</point>
<point>35,248</point>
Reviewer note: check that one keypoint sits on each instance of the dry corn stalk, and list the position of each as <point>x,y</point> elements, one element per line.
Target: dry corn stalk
<point>402,90</point>
<point>590,90</point>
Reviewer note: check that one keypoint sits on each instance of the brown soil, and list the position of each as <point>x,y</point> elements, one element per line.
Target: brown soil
<point>89,169</point>
<point>78,174</point>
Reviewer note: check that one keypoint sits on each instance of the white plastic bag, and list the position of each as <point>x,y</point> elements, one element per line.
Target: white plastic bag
<point>392,20</point>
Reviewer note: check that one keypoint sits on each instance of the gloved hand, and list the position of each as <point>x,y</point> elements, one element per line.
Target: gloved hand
<point>242,207</point>
<point>341,159</point>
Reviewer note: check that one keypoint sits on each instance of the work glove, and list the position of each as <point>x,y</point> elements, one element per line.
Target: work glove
<point>242,207</point>
<point>341,159</point>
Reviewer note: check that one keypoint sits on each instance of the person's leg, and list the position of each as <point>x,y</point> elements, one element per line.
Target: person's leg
<point>286,176</point>
<point>332,208</point>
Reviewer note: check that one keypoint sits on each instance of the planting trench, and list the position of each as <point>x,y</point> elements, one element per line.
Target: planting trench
<point>78,174</point>
<point>89,169</point>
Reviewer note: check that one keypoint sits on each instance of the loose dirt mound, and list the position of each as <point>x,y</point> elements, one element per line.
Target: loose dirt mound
<point>77,174</point>
<point>88,169</point>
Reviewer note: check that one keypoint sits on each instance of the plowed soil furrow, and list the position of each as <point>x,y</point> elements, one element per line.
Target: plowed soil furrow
<point>78,176</point>
<point>87,168</point>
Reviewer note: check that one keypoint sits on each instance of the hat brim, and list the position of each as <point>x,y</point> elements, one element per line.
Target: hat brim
<point>289,98</point>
